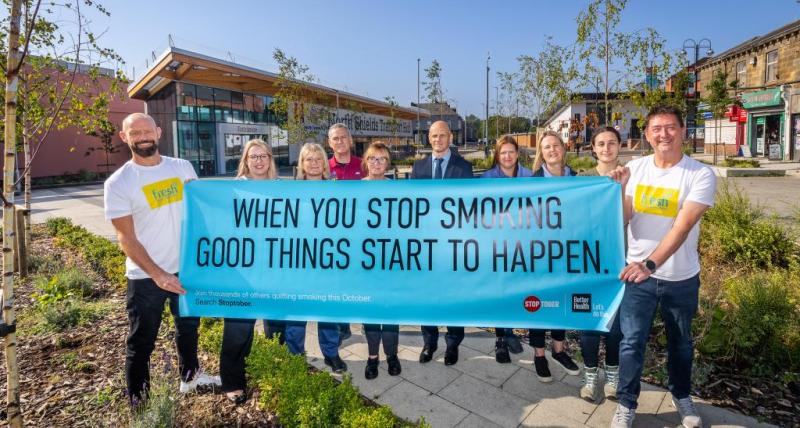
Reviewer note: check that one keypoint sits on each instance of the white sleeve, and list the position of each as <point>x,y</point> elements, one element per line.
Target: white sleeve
<point>703,188</point>
<point>116,202</point>
<point>189,173</point>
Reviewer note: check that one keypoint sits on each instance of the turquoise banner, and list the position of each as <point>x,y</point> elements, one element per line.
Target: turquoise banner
<point>525,252</point>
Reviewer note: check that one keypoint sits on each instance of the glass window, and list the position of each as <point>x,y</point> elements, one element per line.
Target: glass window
<point>249,109</point>
<point>205,103</point>
<point>222,105</point>
<point>187,141</point>
<point>237,107</point>
<point>772,66</point>
<point>186,100</point>
<point>741,73</point>
<point>206,149</point>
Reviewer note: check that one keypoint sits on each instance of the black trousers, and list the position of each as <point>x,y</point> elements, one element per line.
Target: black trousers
<point>536,336</point>
<point>430,334</point>
<point>273,328</point>
<point>145,304</point>
<point>388,333</point>
<point>237,340</point>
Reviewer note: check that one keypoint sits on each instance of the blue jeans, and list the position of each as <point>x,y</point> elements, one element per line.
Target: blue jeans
<point>590,345</point>
<point>328,334</point>
<point>678,303</point>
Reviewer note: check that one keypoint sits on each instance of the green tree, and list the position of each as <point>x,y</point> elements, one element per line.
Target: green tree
<point>718,100</point>
<point>303,110</point>
<point>545,81</point>
<point>596,28</point>
<point>44,48</point>
<point>433,86</point>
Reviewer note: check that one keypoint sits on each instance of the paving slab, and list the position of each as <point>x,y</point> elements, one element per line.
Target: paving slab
<point>432,376</point>
<point>545,417</point>
<point>475,421</point>
<point>411,402</point>
<point>483,367</point>
<point>491,403</point>
<point>554,396</point>
<point>712,416</point>
<point>373,388</point>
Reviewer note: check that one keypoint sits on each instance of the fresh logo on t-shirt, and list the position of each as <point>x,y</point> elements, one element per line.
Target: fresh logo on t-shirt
<point>661,201</point>
<point>163,192</point>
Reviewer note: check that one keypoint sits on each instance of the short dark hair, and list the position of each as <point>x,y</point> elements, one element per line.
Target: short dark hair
<point>601,130</point>
<point>664,109</point>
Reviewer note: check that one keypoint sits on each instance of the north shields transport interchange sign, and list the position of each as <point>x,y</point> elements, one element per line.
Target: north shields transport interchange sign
<point>527,252</point>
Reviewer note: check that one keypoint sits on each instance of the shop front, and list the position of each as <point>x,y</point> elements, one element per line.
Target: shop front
<point>765,123</point>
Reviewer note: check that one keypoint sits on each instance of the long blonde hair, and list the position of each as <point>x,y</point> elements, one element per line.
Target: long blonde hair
<point>538,160</point>
<point>308,150</point>
<point>244,169</point>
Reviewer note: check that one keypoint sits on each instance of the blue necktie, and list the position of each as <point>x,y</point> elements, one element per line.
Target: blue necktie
<point>438,172</point>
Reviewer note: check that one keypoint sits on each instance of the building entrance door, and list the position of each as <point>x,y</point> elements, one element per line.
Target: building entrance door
<point>232,139</point>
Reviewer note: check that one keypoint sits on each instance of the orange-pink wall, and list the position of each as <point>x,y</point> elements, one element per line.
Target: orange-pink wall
<point>64,151</point>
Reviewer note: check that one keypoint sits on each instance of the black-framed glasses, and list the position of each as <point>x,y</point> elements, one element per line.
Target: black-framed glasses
<point>259,157</point>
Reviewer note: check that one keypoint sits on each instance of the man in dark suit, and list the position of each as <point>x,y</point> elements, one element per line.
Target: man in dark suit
<point>442,163</point>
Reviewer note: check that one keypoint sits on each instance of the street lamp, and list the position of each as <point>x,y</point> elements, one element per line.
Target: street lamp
<point>416,137</point>
<point>691,44</point>
<point>486,128</point>
<point>496,113</point>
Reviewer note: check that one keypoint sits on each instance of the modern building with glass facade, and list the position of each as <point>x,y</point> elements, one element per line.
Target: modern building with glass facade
<point>209,108</point>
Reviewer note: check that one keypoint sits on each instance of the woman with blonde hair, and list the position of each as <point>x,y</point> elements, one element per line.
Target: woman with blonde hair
<point>375,162</point>
<point>550,161</point>
<point>257,163</point>
<point>551,157</point>
<point>312,164</point>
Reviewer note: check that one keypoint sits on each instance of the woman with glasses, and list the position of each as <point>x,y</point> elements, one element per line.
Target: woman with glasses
<point>312,164</point>
<point>605,148</point>
<point>376,161</point>
<point>237,336</point>
<point>506,165</point>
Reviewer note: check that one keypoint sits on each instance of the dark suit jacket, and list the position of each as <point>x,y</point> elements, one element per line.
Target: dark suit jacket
<point>540,172</point>
<point>457,167</point>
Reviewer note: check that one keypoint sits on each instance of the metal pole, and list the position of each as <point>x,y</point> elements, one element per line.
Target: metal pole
<point>416,137</point>
<point>696,104</point>
<point>486,128</point>
<point>496,113</point>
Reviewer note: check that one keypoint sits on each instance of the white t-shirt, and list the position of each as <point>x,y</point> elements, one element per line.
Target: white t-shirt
<point>153,195</point>
<point>658,194</point>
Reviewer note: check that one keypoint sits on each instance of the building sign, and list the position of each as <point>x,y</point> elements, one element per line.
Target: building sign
<point>767,98</point>
<point>319,119</point>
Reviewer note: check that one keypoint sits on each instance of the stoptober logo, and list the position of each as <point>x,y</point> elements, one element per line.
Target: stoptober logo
<point>532,304</point>
<point>581,303</point>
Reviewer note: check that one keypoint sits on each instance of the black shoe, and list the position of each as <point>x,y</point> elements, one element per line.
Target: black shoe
<point>501,351</point>
<point>514,345</point>
<point>336,364</point>
<point>566,362</point>
<point>426,354</point>
<point>451,355</point>
<point>371,370</point>
<point>237,399</point>
<point>542,369</point>
<point>394,365</point>
<point>344,332</point>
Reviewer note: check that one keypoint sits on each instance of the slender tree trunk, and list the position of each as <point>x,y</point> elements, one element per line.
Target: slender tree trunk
<point>26,144</point>
<point>12,81</point>
<point>605,112</point>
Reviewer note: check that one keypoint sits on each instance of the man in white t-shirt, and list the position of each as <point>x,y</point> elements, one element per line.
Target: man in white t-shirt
<point>144,201</point>
<point>666,194</point>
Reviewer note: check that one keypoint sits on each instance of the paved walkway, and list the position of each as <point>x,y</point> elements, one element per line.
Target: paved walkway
<point>476,392</point>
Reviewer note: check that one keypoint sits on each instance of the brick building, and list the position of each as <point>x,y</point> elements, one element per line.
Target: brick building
<point>767,69</point>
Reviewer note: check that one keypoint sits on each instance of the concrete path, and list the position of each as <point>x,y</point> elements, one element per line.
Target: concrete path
<point>476,392</point>
<point>479,392</point>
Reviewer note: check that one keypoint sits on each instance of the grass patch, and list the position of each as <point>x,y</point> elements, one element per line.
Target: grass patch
<point>740,163</point>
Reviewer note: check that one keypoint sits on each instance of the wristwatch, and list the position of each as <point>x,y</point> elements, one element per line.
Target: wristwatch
<point>650,265</point>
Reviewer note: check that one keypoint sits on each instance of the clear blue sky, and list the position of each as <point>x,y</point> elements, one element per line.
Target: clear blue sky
<point>371,47</point>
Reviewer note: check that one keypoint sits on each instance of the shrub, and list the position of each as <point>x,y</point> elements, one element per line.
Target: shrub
<point>485,163</point>
<point>159,408</point>
<point>61,315</point>
<point>757,322</point>
<point>65,284</point>
<point>46,264</point>
<point>741,163</point>
<point>105,257</point>
<point>735,232</point>
<point>580,163</point>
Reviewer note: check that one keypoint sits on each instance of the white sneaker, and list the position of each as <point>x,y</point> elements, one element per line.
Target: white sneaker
<point>612,380</point>
<point>201,379</point>
<point>590,385</point>
<point>623,417</point>
<point>689,416</point>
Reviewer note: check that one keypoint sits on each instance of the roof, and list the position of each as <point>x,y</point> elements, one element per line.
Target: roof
<point>754,43</point>
<point>177,64</point>
<point>437,108</point>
